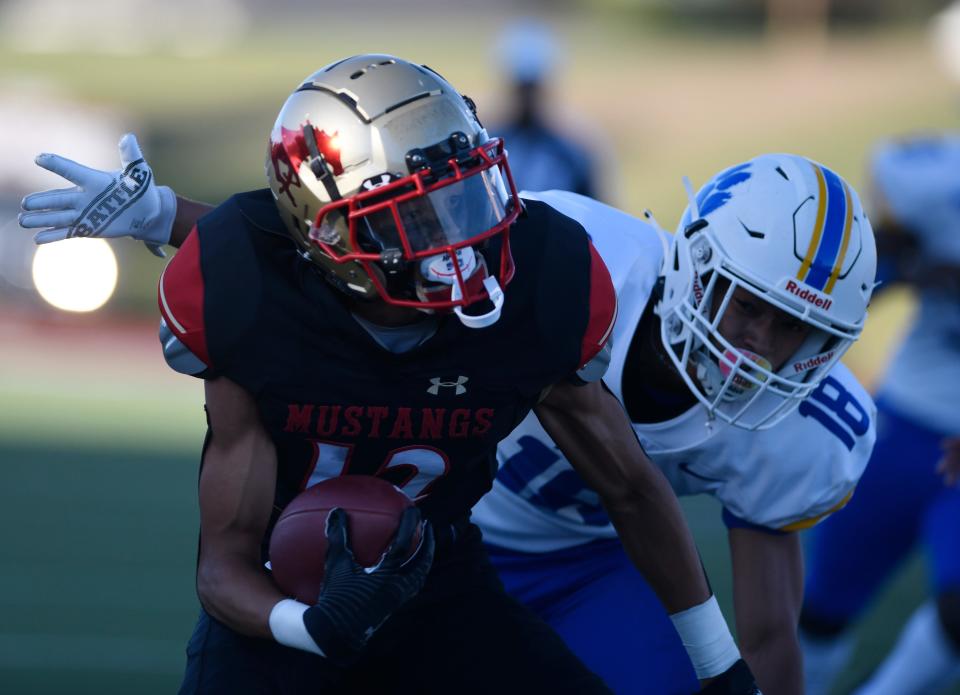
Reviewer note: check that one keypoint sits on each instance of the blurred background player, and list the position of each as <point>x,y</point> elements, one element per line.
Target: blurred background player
<point>543,154</point>
<point>725,356</point>
<point>902,501</point>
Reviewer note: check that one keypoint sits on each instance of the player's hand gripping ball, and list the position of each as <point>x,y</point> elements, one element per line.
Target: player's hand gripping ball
<point>298,544</point>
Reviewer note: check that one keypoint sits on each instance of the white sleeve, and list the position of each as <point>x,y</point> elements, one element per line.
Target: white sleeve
<point>796,474</point>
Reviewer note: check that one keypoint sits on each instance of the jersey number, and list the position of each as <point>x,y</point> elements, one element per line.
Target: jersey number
<point>538,474</point>
<point>413,469</point>
<point>833,407</point>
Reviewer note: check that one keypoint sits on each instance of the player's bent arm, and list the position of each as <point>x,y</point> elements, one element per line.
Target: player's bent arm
<point>236,498</point>
<point>592,430</point>
<point>767,593</point>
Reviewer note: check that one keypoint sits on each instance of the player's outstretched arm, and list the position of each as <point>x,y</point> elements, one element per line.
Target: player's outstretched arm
<point>237,486</point>
<point>188,212</point>
<point>767,593</point>
<point>590,427</point>
<point>110,204</point>
<point>592,430</point>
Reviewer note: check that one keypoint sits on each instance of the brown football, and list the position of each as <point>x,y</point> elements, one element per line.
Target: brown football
<point>298,544</point>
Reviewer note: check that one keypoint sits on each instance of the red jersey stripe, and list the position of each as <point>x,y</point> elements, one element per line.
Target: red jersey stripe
<point>603,309</point>
<point>180,296</point>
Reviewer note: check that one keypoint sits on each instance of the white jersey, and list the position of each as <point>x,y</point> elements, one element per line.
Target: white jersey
<point>919,180</point>
<point>786,478</point>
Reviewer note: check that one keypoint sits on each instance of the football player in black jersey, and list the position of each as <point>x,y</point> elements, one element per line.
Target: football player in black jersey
<point>356,318</point>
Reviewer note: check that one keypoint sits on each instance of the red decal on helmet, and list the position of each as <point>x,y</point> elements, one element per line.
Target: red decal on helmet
<point>330,149</point>
<point>290,152</point>
<point>284,169</point>
<point>296,147</point>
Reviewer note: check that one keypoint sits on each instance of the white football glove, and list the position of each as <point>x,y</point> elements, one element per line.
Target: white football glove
<point>108,204</point>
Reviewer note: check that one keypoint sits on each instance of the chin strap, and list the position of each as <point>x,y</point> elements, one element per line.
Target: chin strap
<point>495,293</point>
<point>707,372</point>
<point>440,269</point>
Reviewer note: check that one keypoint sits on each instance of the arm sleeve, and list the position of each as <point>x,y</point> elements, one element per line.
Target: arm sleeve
<point>180,296</point>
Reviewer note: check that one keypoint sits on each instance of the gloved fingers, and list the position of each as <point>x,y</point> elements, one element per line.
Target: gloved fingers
<point>50,218</point>
<point>49,235</point>
<point>399,549</point>
<point>129,150</point>
<point>338,534</point>
<point>423,555</point>
<point>77,173</point>
<point>57,199</point>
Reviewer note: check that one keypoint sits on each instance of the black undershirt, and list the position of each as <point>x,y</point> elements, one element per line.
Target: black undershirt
<point>652,390</point>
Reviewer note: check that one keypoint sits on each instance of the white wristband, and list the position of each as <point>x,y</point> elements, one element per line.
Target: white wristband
<point>706,638</point>
<point>286,624</point>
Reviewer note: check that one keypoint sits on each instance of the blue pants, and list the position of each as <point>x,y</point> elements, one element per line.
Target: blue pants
<point>899,500</point>
<point>606,613</point>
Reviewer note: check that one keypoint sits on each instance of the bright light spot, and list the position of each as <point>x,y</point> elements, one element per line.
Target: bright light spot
<point>75,274</point>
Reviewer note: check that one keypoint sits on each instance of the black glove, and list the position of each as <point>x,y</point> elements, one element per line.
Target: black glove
<point>356,600</point>
<point>736,680</point>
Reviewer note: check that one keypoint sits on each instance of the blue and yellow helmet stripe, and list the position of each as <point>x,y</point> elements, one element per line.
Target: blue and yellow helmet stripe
<point>831,233</point>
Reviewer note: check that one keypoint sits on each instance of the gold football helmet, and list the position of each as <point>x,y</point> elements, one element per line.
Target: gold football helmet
<point>389,183</point>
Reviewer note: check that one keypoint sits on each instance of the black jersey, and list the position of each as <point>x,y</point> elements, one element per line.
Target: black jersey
<point>244,303</point>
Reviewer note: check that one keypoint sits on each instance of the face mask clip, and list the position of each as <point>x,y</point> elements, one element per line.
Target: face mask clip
<point>437,157</point>
<point>391,261</point>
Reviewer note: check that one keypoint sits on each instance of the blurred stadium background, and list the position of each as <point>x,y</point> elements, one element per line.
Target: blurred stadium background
<point>99,441</point>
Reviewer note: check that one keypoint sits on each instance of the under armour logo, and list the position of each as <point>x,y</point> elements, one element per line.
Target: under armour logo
<point>437,383</point>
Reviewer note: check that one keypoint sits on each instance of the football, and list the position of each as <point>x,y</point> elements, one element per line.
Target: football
<point>298,543</point>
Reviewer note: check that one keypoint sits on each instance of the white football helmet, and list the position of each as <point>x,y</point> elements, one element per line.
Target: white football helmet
<point>915,189</point>
<point>389,183</point>
<point>793,233</point>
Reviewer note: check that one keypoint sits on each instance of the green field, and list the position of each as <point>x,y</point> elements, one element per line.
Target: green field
<point>97,491</point>
<point>97,579</point>
<point>99,442</point>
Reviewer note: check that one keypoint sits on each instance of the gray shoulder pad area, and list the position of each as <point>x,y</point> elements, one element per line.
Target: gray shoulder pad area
<point>178,355</point>
<point>596,367</point>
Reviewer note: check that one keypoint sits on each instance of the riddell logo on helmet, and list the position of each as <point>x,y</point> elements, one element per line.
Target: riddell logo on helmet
<point>811,363</point>
<point>808,294</point>
<point>697,288</point>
